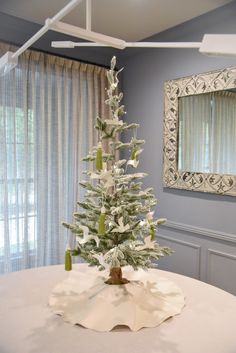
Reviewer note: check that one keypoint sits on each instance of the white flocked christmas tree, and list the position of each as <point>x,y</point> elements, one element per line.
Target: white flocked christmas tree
<point>115,224</point>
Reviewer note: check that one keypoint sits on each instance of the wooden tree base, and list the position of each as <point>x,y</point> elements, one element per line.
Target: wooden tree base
<point>116,277</point>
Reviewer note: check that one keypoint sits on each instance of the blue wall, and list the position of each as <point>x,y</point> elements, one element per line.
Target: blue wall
<point>143,79</point>
<point>202,227</point>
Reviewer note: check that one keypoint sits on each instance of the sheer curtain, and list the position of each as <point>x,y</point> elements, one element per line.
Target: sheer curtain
<point>223,133</point>
<point>207,133</point>
<point>48,107</point>
<point>194,121</point>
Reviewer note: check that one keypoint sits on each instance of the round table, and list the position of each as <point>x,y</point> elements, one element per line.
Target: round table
<point>27,324</point>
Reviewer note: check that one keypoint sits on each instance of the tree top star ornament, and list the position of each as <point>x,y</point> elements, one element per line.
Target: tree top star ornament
<point>115,226</point>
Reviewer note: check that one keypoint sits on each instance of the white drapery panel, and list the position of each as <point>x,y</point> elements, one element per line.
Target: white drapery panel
<point>48,107</point>
<point>207,133</point>
<point>223,134</point>
<point>194,120</point>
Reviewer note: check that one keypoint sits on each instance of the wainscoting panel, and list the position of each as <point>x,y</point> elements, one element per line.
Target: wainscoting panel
<point>221,270</point>
<point>200,253</point>
<point>183,250</point>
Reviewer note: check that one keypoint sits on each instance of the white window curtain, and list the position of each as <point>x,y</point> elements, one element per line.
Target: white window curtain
<point>223,133</point>
<point>207,133</point>
<point>194,119</point>
<point>48,107</point>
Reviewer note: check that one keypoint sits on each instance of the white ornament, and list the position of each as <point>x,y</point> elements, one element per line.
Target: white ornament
<point>149,216</point>
<point>133,162</point>
<point>142,223</point>
<point>114,122</point>
<point>105,176</point>
<point>101,259</point>
<point>148,244</point>
<point>87,237</point>
<point>107,179</point>
<point>116,210</point>
<point>121,228</point>
<point>94,176</point>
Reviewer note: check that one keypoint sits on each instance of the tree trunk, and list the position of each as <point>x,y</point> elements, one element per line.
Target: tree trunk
<point>116,276</point>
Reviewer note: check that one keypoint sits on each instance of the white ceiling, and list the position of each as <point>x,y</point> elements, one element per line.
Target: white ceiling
<point>131,20</point>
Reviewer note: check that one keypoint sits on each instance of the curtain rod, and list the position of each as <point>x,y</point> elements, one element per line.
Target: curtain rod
<point>56,54</point>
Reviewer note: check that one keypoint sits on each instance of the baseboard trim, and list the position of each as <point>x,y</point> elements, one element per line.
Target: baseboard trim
<point>231,238</point>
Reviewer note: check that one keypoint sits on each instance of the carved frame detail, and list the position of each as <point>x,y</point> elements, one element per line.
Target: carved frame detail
<point>172,177</point>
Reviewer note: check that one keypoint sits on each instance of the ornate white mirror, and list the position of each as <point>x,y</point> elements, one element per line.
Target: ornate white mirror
<point>200,132</point>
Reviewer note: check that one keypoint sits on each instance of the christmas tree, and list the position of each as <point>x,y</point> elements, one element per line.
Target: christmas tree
<point>116,226</point>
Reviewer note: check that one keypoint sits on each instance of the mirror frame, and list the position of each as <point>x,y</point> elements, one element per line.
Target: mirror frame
<point>173,178</point>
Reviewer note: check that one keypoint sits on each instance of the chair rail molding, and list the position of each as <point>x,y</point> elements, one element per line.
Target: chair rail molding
<point>201,253</point>
<point>210,233</point>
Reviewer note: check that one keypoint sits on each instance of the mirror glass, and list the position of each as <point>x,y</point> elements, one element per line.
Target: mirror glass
<point>207,132</point>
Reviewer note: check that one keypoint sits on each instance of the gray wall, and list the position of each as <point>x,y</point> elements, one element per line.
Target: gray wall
<point>201,226</point>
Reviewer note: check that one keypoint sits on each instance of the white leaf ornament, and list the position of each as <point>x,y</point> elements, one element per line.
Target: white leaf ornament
<point>148,244</point>
<point>101,259</point>
<point>87,237</point>
<point>121,228</point>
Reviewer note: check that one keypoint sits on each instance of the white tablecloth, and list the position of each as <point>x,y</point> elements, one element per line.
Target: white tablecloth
<point>206,325</point>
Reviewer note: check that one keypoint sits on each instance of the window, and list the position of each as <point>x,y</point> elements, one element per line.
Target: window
<point>19,145</point>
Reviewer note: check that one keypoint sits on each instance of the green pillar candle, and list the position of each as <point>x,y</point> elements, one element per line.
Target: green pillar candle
<point>134,154</point>
<point>68,260</point>
<point>152,232</point>
<point>101,222</point>
<point>99,158</point>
